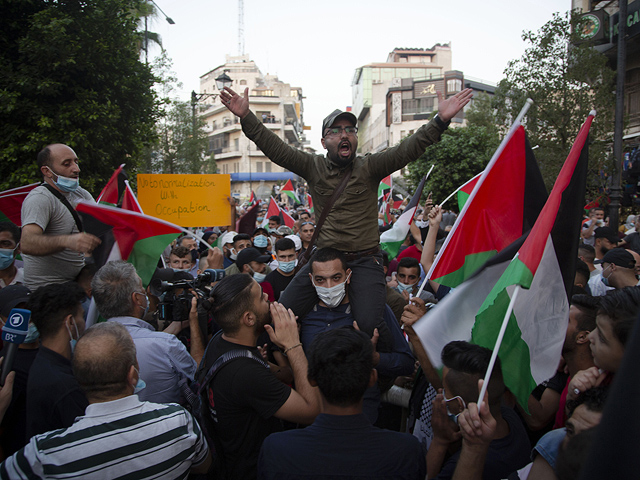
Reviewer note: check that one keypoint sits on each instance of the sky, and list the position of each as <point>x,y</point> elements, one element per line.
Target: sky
<point>317,45</point>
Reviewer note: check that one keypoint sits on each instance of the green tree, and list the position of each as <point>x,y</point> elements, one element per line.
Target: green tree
<point>461,154</point>
<point>181,141</point>
<point>566,78</point>
<point>71,73</point>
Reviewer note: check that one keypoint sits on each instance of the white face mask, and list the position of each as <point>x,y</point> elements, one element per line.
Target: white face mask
<point>234,255</point>
<point>332,296</point>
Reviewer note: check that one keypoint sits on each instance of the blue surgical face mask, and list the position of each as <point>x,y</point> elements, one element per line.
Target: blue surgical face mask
<point>32,334</point>
<point>141,384</point>
<point>144,309</point>
<point>604,279</point>
<point>65,184</point>
<point>287,267</point>
<point>260,241</point>
<point>403,287</point>
<point>73,341</point>
<point>260,219</point>
<point>258,277</point>
<point>6,257</point>
<point>380,222</point>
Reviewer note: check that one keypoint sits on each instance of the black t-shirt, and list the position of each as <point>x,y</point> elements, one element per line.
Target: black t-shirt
<point>14,424</point>
<point>244,396</point>
<point>54,398</point>
<point>279,282</point>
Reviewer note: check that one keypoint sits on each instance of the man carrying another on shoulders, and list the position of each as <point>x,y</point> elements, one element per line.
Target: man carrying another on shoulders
<point>352,223</point>
<point>53,246</point>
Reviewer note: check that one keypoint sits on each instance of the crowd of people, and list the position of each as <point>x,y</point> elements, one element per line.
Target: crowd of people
<point>279,369</point>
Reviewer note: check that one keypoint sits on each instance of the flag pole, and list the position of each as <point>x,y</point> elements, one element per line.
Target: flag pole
<point>458,189</point>
<point>494,354</point>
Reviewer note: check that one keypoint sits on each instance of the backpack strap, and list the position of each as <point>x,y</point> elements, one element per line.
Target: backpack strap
<point>223,360</point>
<point>66,203</point>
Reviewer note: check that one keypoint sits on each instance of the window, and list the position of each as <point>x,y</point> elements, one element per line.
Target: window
<point>235,167</point>
<point>243,82</point>
<point>454,85</point>
<point>417,106</point>
<point>259,167</point>
<point>236,143</point>
<point>267,166</point>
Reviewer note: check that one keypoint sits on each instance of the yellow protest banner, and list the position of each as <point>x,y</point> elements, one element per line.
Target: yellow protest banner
<point>186,200</point>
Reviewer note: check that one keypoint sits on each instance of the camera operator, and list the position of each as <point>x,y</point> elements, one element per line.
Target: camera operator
<point>171,293</point>
<point>164,361</point>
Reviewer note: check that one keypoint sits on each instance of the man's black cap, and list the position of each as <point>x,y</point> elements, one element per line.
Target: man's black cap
<point>12,295</point>
<point>333,116</point>
<point>619,257</point>
<point>608,233</point>
<point>250,255</point>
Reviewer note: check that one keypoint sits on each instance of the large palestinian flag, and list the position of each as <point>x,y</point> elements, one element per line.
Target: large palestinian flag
<point>391,240</point>
<point>137,238</point>
<point>504,204</point>
<point>274,209</point>
<point>541,268</point>
<point>11,203</point>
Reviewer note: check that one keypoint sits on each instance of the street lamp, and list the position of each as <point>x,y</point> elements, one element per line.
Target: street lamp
<point>146,31</point>
<point>221,82</point>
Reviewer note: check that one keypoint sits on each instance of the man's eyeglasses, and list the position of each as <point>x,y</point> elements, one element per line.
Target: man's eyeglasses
<point>335,131</point>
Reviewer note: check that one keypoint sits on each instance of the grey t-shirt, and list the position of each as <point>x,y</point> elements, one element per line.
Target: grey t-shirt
<point>42,208</point>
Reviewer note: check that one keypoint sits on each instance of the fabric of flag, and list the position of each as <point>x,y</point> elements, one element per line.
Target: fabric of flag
<point>11,203</point>
<point>310,202</point>
<point>597,202</point>
<point>392,239</point>
<point>385,185</point>
<point>115,187</point>
<point>253,199</point>
<point>272,209</point>
<point>286,219</point>
<point>504,204</point>
<point>139,239</point>
<point>542,265</point>
<point>465,191</point>
<point>290,192</point>
<point>247,222</point>
<point>129,200</point>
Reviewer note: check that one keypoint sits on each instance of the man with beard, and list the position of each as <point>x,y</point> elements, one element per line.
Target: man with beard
<point>246,400</point>
<point>352,224</point>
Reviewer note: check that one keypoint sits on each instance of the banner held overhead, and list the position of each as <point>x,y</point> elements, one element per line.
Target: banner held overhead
<point>187,200</point>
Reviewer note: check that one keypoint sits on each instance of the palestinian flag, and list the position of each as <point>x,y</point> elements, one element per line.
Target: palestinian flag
<point>310,202</point>
<point>504,204</point>
<point>465,191</point>
<point>137,238</point>
<point>384,186</point>
<point>540,267</point>
<point>11,203</point>
<point>253,199</point>
<point>129,200</point>
<point>290,192</point>
<point>115,187</point>
<point>594,203</point>
<point>274,209</point>
<point>247,222</point>
<point>391,240</point>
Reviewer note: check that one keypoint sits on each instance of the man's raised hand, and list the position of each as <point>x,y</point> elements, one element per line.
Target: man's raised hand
<point>448,108</point>
<point>237,104</point>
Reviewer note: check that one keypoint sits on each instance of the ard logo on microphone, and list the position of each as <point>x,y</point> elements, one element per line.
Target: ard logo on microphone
<point>16,320</point>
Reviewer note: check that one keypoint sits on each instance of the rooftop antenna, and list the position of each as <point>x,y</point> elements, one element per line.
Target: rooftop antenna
<point>240,27</point>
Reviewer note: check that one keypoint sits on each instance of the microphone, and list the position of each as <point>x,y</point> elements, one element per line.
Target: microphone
<point>14,332</point>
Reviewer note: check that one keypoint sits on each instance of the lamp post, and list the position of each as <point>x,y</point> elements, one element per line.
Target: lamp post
<point>221,82</point>
<point>146,31</point>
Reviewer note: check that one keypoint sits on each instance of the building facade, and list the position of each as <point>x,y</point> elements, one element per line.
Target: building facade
<point>395,98</point>
<point>276,103</point>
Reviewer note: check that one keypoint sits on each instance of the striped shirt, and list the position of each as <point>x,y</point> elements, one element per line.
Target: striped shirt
<point>124,438</point>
